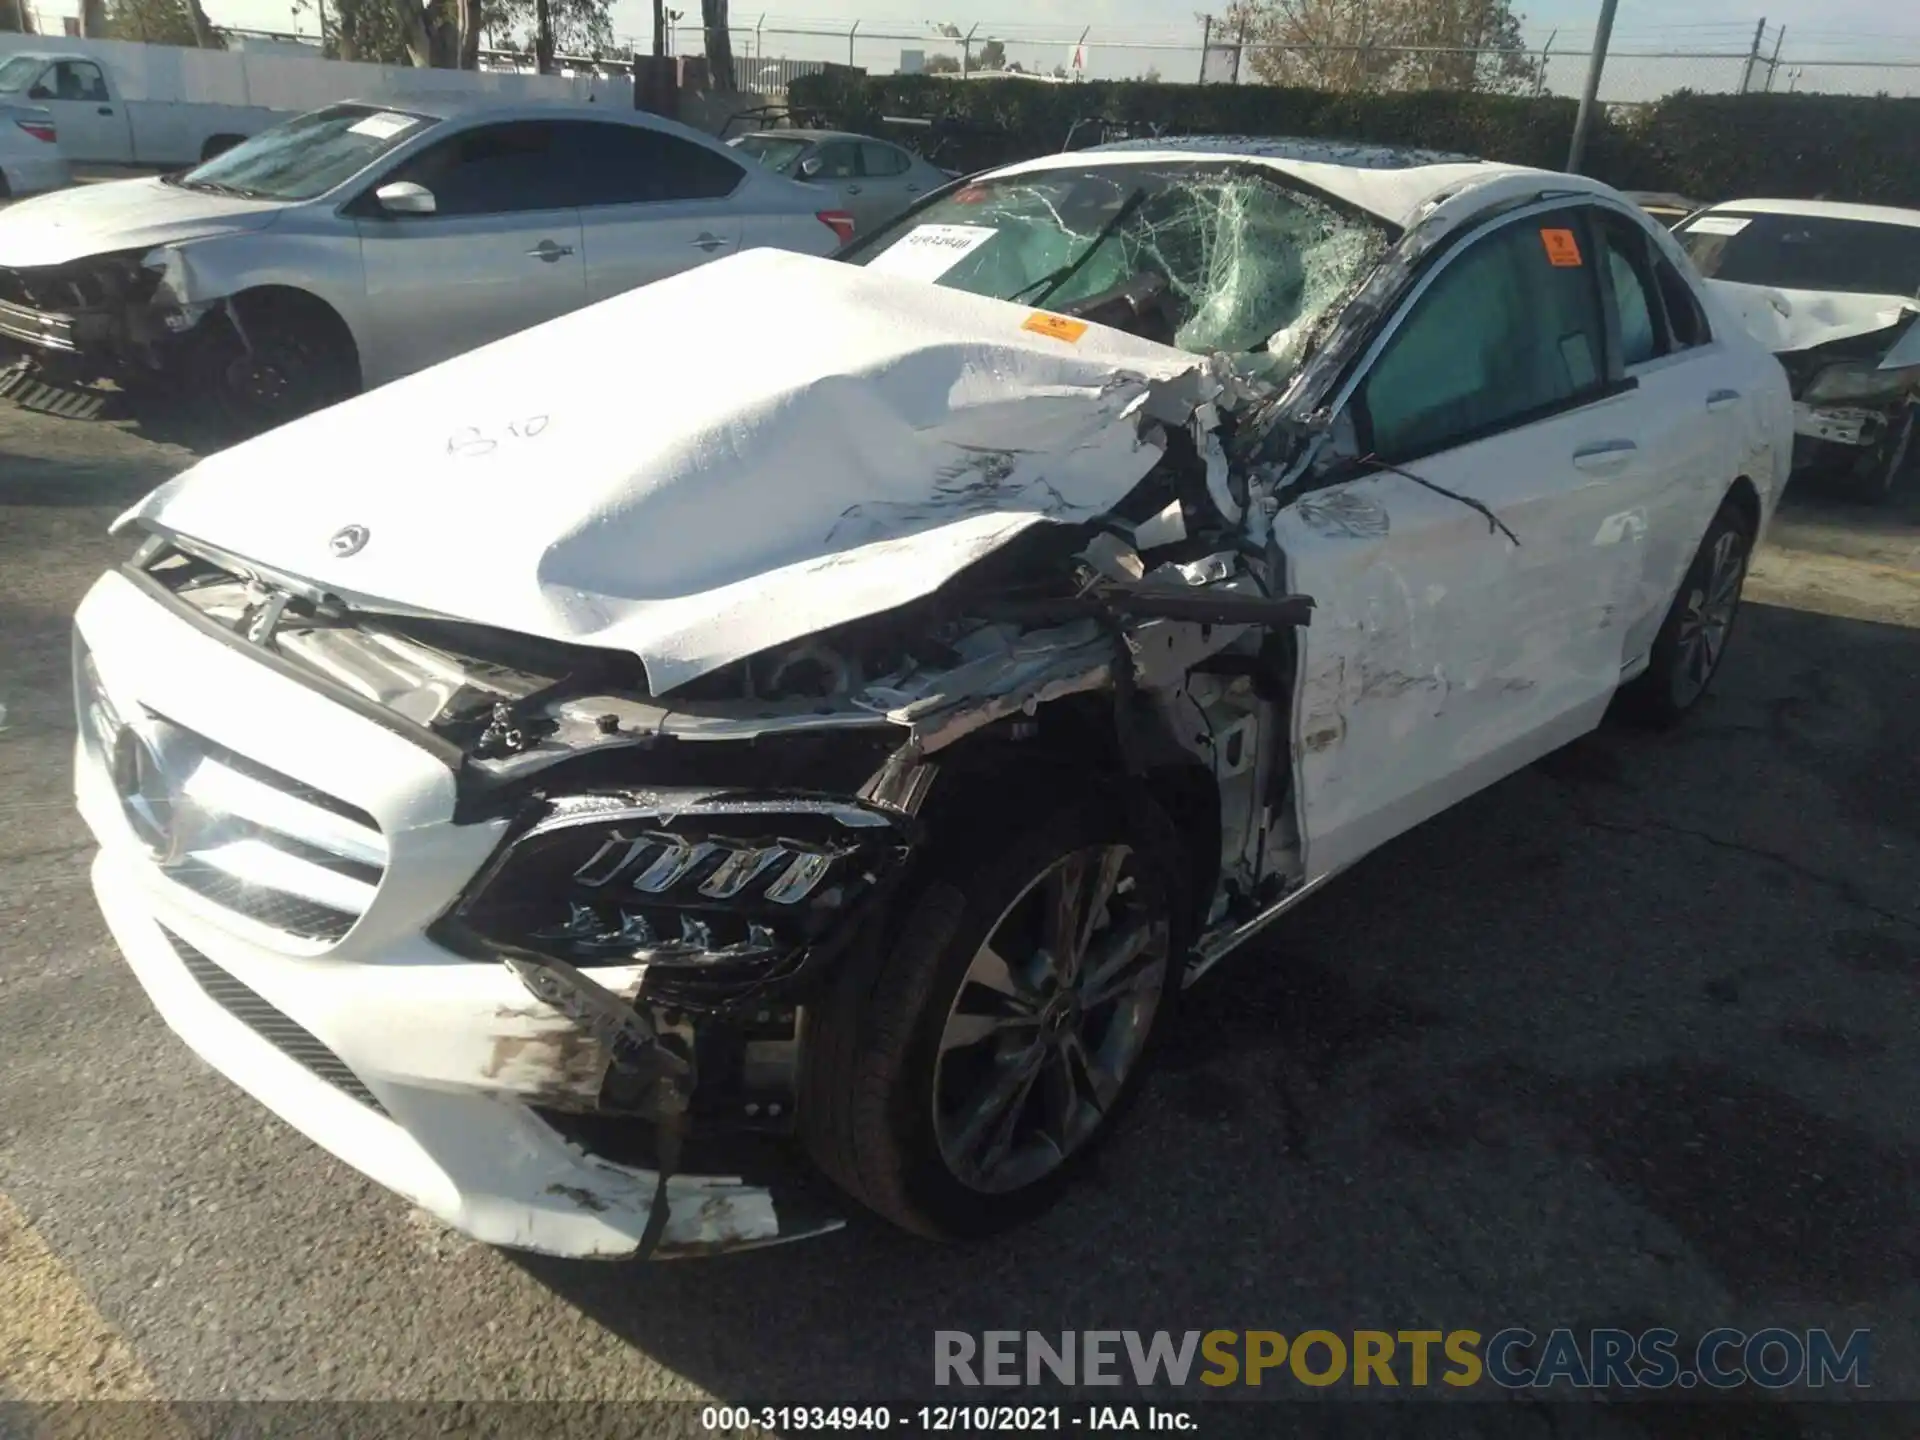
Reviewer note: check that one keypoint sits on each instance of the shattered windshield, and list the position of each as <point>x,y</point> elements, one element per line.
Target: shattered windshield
<point>308,155</point>
<point>1248,263</point>
<point>1806,252</point>
<point>773,151</point>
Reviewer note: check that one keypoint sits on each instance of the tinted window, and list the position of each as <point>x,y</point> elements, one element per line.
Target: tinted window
<point>1511,328</point>
<point>494,170</point>
<point>838,161</point>
<point>1635,309</point>
<point>1806,252</point>
<point>78,80</point>
<point>883,160</point>
<point>629,164</point>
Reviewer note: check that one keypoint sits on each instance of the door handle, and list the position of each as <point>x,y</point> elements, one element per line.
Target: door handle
<point>853,189</point>
<point>106,109</point>
<point>548,251</point>
<point>708,242</point>
<point>913,189</point>
<point>1605,457</point>
<point>1721,399</point>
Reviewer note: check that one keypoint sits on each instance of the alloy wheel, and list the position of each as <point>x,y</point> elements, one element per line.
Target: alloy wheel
<point>1050,1020</point>
<point>1708,616</point>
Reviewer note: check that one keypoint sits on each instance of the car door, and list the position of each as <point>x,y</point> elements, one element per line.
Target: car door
<point>1473,561</point>
<point>1692,408</point>
<point>500,252</point>
<point>889,182</point>
<point>90,123</point>
<point>651,204</point>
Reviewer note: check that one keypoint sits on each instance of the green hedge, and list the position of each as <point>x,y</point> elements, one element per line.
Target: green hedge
<point>1709,147</point>
<point>1863,149</point>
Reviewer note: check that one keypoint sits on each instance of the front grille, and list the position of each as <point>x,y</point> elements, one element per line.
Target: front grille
<point>283,1034</point>
<point>260,844</point>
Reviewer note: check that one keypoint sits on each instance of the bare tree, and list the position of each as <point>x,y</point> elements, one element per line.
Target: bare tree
<point>1383,44</point>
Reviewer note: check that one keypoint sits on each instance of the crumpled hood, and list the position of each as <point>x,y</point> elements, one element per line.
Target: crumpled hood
<point>84,220</point>
<point>1786,321</point>
<point>726,460</point>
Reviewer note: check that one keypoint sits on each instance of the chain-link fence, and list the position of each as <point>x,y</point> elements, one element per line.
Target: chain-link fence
<point>768,56</point>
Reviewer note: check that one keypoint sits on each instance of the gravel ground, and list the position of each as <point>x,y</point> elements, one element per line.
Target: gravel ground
<point>1625,1040</point>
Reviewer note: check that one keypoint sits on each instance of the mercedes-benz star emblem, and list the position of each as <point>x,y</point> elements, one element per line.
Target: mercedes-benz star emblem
<point>350,540</point>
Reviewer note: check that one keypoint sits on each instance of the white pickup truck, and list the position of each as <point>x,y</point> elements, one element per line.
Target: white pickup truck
<point>118,102</point>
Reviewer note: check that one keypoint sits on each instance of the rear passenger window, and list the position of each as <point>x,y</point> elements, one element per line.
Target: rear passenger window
<point>1685,318</point>
<point>882,160</point>
<point>631,164</point>
<point>1630,278</point>
<point>1510,330</point>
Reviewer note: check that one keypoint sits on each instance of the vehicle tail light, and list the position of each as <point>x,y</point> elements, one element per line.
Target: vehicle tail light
<point>838,221</point>
<point>39,129</point>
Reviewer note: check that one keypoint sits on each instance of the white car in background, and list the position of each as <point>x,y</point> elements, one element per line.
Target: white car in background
<point>831,708</point>
<point>30,156</point>
<point>361,242</point>
<point>1834,291</point>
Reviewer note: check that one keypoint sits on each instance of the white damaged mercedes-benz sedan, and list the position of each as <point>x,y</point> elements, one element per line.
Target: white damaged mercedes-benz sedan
<point>812,717</point>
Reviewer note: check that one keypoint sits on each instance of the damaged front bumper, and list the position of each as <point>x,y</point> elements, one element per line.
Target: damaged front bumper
<point>314,986</point>
<point>1839,425</point>
<point>110,314</point>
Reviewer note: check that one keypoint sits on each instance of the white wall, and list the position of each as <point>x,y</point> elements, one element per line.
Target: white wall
<point>214,77</point>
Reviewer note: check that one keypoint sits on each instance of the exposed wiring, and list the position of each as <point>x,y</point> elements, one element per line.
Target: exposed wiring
<point>1494,522</point>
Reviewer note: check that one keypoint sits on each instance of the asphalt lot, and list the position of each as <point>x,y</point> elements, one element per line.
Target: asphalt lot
<point>1626,1040</point>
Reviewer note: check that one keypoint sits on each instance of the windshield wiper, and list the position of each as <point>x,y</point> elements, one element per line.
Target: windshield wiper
<point>220,187</point>
<point>1047,284</point>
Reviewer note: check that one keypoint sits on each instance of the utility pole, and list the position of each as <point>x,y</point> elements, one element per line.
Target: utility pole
<point>1773,65</point>
<point>1753,56</point>
<point>1589,97</point>
<point>1239,44</point>
<point>1206,35</point>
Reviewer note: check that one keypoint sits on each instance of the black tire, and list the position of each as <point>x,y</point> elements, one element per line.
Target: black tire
<point>1673,682</point>
<point>1875,476</point>
<point>297,357</point>
<point>872,1048</point>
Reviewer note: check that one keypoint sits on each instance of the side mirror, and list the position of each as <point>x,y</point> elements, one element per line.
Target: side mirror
<point>403,197</point>
<point>40,92</point>
<point>812,166</point>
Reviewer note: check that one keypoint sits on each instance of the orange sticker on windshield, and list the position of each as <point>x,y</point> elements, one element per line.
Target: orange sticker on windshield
<point>1058,326</point>
<point>1563,250</point>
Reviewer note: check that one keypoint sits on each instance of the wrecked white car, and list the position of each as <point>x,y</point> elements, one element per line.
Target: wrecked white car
<point>1834,291</point>
<point>575,789</point>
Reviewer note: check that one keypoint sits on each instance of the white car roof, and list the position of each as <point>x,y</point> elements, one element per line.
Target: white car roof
<point>1393,184</point>
<point>1830,209</point>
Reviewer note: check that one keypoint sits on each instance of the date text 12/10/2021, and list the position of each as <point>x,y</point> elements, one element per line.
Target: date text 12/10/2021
<point>944,1419</point>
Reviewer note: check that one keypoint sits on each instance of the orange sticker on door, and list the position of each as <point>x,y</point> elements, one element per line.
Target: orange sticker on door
<point>1563,251</point>
<point>1059,327</point>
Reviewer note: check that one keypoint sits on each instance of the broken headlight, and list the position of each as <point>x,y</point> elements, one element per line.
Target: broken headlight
<point>1858,380</point>
<point>720,883</point>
